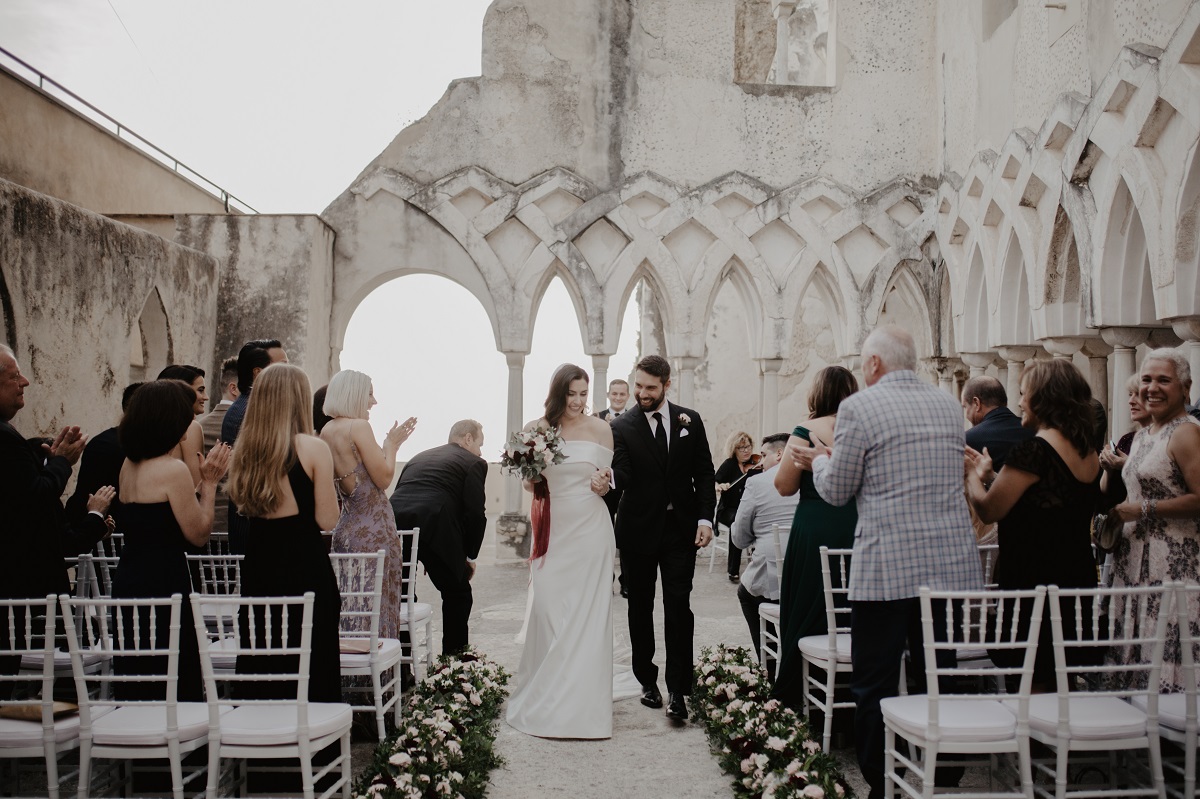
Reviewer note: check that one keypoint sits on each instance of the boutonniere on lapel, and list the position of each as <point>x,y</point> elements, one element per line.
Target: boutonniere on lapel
<point>684,420</point>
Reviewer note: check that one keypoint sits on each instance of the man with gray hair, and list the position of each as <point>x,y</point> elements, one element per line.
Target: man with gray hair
<point>441,492</point>
<point>898,449</point>
<point>993,425</point>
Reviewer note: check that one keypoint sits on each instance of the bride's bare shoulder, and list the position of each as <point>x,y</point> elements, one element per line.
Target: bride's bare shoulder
<point>536,424</point>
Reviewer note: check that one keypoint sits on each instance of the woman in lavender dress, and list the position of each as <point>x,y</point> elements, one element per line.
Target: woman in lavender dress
<point>362,471</point>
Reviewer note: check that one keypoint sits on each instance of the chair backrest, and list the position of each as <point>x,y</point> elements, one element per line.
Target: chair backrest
<point>218,544</point>
<point>1109,642</point>
<point>987,559</point>
<point>835,578</point>
<point>776,535</point>
<point>23,631</point>
<point>360,580</point>
<point>102,571</point>
<point>1005,623</point>
<point>111,546</point>
<point>410,541</point>
<point>139,640</point>
<point>1186,597</point>
<point>261,633</point>
<point>216,575</point>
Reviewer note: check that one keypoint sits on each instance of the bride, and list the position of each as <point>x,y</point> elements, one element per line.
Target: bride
<point>564,683</point>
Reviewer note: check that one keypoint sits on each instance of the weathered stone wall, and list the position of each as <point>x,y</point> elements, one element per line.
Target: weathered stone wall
<point>610,89</point>
<point>74,286</point>
<point>276,282</point>
<point>1002,65</point>
<point>51,149</point>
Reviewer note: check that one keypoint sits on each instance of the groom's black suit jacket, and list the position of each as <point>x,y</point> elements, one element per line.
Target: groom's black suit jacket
<point>647,485</point>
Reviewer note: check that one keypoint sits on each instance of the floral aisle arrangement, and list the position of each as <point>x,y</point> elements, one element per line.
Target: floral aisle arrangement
<point>763,745</point>
<point>444,745</point>
<point>527,454</point>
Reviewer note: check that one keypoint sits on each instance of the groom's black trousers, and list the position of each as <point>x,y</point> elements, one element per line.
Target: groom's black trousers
<point>675,559</point>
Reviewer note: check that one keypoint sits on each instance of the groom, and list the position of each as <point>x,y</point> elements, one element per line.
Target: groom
<point>663,467</point>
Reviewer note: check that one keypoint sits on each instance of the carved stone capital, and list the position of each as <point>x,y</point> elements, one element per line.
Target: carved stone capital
<point>1094,347</point>
<point>782,9</point>
<point>1164,337</point>
<point>687,363</point>
<point>1187,327</point>
<point>1017,354</point>
<point>1062,346</point>
<point>770,365</point>
<point>1126,338</point>
<point>981,360</point>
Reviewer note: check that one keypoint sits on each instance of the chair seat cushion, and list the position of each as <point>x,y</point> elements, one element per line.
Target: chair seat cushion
<point>273,725</point>
<point>769,611</point>
<point>966,720</point>
<point>388,651</point>
<point>1172,710</point>
<point>145,724</point>
<point>421,612</point>
<point>1096,718</point>
<point>15,734</point>
<point>816,647</point>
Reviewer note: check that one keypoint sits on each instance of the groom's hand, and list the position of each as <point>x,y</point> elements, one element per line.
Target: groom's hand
<point>703,535</point>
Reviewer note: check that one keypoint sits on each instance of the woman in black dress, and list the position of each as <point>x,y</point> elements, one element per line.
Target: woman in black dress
<point>731,484</point>
<point>160,515</point>
<point>281,477</point>
<point>1045,494</point>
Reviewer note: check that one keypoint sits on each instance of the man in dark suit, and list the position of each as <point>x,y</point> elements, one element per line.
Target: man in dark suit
<point>441,492</point>
<point>36,534</point>
<point>618,398</point>
<point>664,471</point>
<point>100,466</point>
<point>993,425</point>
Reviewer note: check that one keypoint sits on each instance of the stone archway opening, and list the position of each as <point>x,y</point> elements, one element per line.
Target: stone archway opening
<point>815,344</point>
<point>8,332</point>
<point>430,350</point>
<point>150,348</point>
<point>728,363</point>
<point>1128,295</point>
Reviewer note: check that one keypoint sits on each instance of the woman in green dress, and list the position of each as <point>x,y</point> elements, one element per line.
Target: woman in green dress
<point>816,524</point>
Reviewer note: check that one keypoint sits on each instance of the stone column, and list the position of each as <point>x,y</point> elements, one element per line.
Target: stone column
<point>1188,329</point>
<point>853,362</point>
<point>944,368</point>
<point>1015,357</point>
<point>1097,353</point>
<point>1124,341</point>
<point>782,9</point>
<point>768,409</point>
<point>599,390</point>
<point>512,528</point>
<point>978,362</point>
<point>686,365</point>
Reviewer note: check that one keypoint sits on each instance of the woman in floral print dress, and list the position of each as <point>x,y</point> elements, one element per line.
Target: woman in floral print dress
<point>1161,541</point>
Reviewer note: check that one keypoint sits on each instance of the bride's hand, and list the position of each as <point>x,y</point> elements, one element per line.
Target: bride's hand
<point>600,481</point>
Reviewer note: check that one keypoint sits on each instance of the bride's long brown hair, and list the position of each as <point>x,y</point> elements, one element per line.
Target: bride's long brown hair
<point>560,384</point>
<point>280,407</point>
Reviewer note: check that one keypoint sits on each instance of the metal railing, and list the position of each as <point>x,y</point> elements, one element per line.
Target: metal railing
<point>15,67</point>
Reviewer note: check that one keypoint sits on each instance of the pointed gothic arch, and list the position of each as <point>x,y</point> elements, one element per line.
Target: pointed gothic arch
<point>150,344</point>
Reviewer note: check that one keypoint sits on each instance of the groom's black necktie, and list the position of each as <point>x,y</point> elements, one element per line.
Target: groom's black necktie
<point>660,436</point>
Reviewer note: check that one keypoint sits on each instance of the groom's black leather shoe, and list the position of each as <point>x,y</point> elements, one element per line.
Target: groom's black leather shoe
<point>676,707</point>
<point>651,697</point>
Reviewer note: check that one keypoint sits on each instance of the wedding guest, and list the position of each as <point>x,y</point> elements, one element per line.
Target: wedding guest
<point>761,509</point>
<point>441,491</point>
<point>1162,511</point>
<point>162,512</point>
<point>211,422</point>
<point>252,358</point>
<point>191,447</point>
<point>30,486</point>
<point>1044,495</point>
<point>618,397</point>
<point>740,462</point>
<point>815,524</point>
<point>898,449</point>
<point>363,471</point>
<point>319,417</point>
<point>993,426</point>
<point>1113,457</point>
<point>281,477</point>
<point>100,466</point>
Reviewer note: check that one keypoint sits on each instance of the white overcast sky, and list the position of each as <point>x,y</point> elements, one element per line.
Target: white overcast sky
<point>283,103</point>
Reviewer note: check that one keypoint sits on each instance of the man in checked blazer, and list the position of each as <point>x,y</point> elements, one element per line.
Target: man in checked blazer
<point>898,449</point>
<point>664,471</point>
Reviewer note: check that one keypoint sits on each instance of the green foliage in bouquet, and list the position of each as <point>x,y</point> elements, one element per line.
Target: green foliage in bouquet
<point>529,452</point>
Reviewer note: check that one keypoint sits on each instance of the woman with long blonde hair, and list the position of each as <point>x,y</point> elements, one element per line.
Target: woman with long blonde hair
<point>281,478</point>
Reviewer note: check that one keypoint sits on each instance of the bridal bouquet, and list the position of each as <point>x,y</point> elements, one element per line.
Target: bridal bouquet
<point>528,454</point>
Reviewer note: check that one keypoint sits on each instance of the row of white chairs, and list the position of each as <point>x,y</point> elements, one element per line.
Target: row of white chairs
<point>146,632</point>
<point>1100,706</point>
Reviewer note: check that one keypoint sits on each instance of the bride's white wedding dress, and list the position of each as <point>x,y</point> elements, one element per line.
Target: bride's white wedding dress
<point>565,680</point>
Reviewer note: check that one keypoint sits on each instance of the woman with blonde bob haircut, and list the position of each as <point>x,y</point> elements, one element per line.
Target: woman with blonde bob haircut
<point>281,477</point>
<point>363,471</point>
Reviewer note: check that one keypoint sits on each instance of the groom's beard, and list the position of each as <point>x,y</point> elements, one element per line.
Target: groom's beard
<point>649,405</point>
